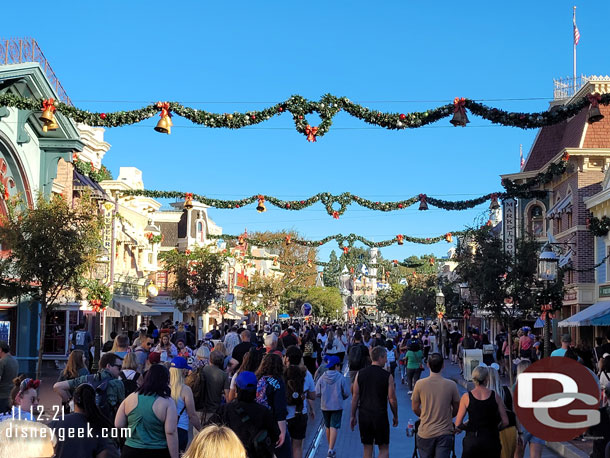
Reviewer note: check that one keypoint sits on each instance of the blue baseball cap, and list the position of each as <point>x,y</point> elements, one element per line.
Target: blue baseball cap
<point>180,363</point>
<point>332,361</point>
<point>246,380</point>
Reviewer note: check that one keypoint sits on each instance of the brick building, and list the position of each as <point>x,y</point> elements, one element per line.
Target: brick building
<point>563,213</point>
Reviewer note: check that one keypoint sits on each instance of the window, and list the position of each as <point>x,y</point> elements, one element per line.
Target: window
<point>537,221</point>
<point>200,233</point>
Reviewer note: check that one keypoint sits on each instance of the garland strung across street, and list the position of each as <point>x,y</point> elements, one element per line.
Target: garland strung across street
<point>299,107</point>
<point>599,227</point>
<point>313,262</point>
<point>555,170</point>
<point>336,205</point>
<point>344,241</point>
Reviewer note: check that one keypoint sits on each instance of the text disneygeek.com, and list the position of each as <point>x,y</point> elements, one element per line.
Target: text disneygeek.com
<point>61,433</point>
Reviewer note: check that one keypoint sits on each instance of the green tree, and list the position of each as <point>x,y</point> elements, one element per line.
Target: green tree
<point>51,247</point>
<point>419,297</point>
<point>196,277</point>
<point>326,301</point>
<point>391,300</point>
<point>263,293</point>
<point>332,271</point>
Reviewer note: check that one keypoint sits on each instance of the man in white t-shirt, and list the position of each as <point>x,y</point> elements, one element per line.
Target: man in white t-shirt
<point>297,419</point>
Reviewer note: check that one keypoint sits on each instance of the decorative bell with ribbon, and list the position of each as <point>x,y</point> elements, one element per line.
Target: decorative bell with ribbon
<point>423,202</point>
<point>494,204</point>
<point>47,116</point>
<point>261,205</point>
<point>400,239</point>
<point>448,237</point>
<point>594,113</point>
<point>165,124</point>
<point>288,240</point>
<point>188,200</point>
<point>459,112</point>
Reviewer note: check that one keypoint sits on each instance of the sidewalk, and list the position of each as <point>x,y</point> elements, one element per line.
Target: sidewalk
<point>564,449</point>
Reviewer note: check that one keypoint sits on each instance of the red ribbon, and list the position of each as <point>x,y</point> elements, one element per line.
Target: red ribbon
<point>345,249</point>
<point>188,196</point>
<point>336,214</point>
<point>546,309</point>
<point>164,107</point>
<point>400,237</point>
<point>288,240</point>
<point>311,133</point>
<point>459,104</point>
<point>467,313</point>
<point>49,104</point>
<point>594,99</point>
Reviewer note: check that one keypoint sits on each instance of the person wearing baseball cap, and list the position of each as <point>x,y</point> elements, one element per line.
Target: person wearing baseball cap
<point>566,341</point>
<point>253,423</point>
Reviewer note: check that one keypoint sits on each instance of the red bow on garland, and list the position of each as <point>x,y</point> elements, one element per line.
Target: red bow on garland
<point>164,107</point>
<point>49,104</point>
<point>336,214</point>
<point>459,104</point>
<point>400,238</point>
<point>594,99</point>
<point>311,133</point>
<point>467,314</point>
<point>546,309</point>
<point>345,249</point>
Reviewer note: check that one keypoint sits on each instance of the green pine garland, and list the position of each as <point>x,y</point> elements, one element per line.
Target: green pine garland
<point>555,170</point>
<point>335,205</point>
<point>87,169</point>
<point>599,227</point>
<point>299,107</point>
<point>344,241</point>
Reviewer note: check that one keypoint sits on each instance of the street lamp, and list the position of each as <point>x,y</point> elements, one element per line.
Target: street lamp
<point>260,313</point>
<point>547,272</point>
<point>440,300</point>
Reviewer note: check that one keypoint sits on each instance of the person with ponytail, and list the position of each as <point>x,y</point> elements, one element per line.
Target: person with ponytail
<point>24,400</point>
<point>87,415</point>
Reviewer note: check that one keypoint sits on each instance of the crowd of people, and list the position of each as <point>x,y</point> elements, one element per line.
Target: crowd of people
<point>249,391</point>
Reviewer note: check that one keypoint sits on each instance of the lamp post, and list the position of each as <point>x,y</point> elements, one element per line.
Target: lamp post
<point>465,296</point>
<point>440,311</point>
<point>547,272</point>
<point>260,300</point>
<point>222,308</point>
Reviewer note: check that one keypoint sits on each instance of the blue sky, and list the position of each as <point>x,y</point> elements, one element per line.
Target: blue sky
<point>397,56</point>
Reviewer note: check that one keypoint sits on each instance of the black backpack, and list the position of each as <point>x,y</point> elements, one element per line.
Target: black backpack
<point>355,357</point>
<point>131,386</point>
<point>259,442</point>
<point>101,396</point>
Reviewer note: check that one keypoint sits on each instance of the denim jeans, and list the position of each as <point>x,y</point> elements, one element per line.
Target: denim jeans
<point>435,447</point>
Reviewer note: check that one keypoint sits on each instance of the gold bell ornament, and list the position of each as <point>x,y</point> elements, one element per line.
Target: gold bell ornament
<point>188,200</point>
<point>261,205</point>
<point>594,114</point>
<point>459,112</point>
<point>165,124</point>
<point>47,116</point>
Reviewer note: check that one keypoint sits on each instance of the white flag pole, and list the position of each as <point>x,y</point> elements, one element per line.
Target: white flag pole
<point>574,44</point>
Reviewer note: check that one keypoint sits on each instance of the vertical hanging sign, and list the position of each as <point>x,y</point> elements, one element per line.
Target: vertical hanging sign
<point>509,225</point>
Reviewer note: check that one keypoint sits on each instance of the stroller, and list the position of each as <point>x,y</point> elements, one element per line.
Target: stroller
<point>415,454</point>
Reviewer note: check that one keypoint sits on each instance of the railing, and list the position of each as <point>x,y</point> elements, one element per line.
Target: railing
<point>20,50</point>
<point>564,88</point>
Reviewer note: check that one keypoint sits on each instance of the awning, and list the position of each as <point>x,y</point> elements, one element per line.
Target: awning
<point>587,316</point>
<point>109,312</point>
<point>540,323</point>
<point>129,307</point>
<point>229,315</point>
<point>602,320</point>
<point>563,206</point>
<point>82,182</point>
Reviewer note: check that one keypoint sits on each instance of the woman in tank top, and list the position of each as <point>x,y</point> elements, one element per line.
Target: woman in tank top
<point>185,404</point>
<point>150,414</point>
<point>486,416</point>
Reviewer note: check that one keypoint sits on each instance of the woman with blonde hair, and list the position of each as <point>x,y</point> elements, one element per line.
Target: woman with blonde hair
<point>486,414</point>
<point>75,367</point>
<point>508,435</point>
<point>216,442</point>
<point>183,397</point>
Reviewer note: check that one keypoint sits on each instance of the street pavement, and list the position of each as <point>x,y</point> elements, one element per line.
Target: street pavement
<point>348,442</point>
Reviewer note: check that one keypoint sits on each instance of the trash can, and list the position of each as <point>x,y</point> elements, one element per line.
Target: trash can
<point>472,358</point>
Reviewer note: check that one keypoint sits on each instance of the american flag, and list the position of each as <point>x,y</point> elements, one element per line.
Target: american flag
<point>576,33</point>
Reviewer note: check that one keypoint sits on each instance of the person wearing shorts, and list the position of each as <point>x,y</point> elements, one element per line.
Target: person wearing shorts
<point>333,388</point>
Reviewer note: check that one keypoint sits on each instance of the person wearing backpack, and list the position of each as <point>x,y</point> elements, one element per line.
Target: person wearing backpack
<point>333,389</point>
<point>271,393</point>
<point>129,374</point>
<point>109,390</point>
<point>253,423</point>
<point>300,390</point>
<point>183,397</point>
<point>310,348</point>
<point>358,356</point>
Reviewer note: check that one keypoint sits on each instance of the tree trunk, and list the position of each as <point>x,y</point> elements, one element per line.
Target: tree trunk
<point>43,325</point>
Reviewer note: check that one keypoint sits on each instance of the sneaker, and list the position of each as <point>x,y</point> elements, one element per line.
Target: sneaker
<point>331,454</point>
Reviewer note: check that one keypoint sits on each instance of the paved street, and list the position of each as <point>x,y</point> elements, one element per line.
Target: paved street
<point>348,442</point>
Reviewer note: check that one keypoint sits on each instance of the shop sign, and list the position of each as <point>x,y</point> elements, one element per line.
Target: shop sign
<point>509,224</point>
<point>604,291</point>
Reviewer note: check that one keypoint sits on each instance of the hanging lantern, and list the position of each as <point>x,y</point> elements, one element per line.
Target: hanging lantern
<point>448,237</point>
<point>494,205</point>
<point>261,204</point>
<point>459,112</point>
<point>400,238</point>
<point>423,202</point>
<point>165,124</point>
<point>188,200</point>
<point>594,113</point>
